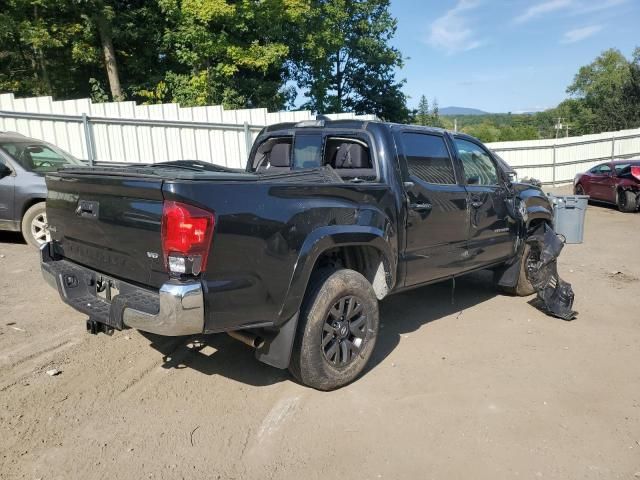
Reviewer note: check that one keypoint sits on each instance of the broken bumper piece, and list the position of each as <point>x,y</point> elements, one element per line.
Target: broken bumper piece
<point>555,296</point>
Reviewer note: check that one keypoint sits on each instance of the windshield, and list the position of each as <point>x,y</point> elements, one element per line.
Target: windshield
<point>37,156</point>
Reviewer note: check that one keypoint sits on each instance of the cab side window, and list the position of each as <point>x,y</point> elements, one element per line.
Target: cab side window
<point>601,169</point>
<point>478,166</point>
<point>428,158</point>
<point>273,154</point>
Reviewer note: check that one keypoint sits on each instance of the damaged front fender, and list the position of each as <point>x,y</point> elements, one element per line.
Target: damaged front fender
<point>555,296</point>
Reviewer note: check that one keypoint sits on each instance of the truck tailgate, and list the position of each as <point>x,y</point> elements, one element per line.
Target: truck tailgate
<point>111,224</point>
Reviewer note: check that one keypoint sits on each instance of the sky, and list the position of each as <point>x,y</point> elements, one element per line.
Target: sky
<point>506,55</point>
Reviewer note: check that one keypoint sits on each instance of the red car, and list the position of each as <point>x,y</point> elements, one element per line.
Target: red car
<point>616,182</point>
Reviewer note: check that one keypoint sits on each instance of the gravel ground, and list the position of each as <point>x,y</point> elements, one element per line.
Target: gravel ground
<point>485,388</point>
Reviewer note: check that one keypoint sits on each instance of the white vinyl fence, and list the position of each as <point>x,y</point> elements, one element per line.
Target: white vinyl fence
<point>126,132</point>
<point>557,161</point>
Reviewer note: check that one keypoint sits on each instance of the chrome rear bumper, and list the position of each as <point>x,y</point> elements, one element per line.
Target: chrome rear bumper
<point>176,309</point>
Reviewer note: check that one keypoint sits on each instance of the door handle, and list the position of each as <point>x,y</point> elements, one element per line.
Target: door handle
<point>420,206</point>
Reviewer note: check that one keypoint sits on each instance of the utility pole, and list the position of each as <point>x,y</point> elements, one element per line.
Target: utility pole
<point>455,124</point>
<point>559,126</point>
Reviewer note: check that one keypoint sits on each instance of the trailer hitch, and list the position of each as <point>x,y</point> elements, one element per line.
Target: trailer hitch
<point>94,327</point>
<point>555,296</point>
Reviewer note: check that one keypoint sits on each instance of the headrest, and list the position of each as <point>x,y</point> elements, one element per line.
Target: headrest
<point>352,155</point>
<point>280,155</point>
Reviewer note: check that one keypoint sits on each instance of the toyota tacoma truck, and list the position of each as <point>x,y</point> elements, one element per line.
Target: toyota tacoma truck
<point>292,254</point>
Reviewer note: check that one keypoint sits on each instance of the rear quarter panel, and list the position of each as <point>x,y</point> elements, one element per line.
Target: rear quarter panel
<point>268,236</point>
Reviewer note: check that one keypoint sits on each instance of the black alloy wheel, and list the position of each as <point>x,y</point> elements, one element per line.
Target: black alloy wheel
<point>344,331</point>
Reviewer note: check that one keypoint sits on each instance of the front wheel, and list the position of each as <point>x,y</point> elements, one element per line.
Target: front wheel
<point>578,190</point>
<point>627,201</point>
<point>524,287</point>
<point>34,225</point>
<point>337,330</point>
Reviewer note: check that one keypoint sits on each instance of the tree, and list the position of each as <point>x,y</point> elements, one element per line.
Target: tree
<point>485,132</point>
<point>435,114</point>
<point>121,38</point>
<point>35,53</point>
<point>231,53</point>
<point>70,48</point>
<point>601,88</point>
<point>345,62</point>
<point>422,115</point>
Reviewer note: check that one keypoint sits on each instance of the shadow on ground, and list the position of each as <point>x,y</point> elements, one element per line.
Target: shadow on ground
<point>399,314</point>
<point>216,354</point>
<point>12,237</point>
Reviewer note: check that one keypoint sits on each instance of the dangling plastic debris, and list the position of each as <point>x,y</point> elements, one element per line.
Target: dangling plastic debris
<point>555,296</point>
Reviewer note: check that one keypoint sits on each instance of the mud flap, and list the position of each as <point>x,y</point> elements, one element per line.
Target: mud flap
<point>276,350</point>
<point>555,296</point>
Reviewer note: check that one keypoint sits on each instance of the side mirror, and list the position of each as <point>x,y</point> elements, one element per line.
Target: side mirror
<point>5,171</point>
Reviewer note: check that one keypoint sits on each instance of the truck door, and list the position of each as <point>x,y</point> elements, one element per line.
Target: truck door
<point>437,219</point>
<point>491,235</point>
<point>7,183</point>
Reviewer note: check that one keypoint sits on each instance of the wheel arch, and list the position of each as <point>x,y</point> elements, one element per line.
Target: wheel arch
<point>28,203</point>
<point>363,249</point>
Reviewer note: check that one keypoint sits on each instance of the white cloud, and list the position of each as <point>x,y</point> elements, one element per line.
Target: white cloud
<point>571,7</point>
<point>578,34</point>
<point>541,9</point>
<point>590,7</point>
<point>451,32</point>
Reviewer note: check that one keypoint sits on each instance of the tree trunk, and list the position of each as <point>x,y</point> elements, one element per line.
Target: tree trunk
<point>39,63</point>
<point>110,61</point>
<point>338,84</point>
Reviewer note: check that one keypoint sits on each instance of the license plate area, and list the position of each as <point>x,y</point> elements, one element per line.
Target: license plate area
<point>106,288</point>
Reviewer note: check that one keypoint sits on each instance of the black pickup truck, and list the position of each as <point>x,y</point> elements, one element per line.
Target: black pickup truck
<point>292,254</point>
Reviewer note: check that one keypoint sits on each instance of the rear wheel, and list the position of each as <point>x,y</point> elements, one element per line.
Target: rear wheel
<point>337,330</point>
<point>34,225</point>
<point>627,201</point>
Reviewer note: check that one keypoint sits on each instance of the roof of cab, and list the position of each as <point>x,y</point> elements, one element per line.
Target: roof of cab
<point>11,136</point>
<point>351,124</point>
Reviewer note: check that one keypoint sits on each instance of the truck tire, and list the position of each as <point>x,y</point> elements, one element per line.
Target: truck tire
<point>337,330</point>
<point>627,201</point>
<point>34,223</point>
<point>523,288</point>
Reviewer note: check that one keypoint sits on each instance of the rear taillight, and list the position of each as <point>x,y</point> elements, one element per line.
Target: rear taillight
<point>635,171</point>
<point>187,232</point>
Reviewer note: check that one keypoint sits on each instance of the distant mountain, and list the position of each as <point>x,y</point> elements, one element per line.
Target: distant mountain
<point>461,111</point>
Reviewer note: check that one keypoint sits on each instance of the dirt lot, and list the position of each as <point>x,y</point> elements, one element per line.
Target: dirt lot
<point>486,388</point>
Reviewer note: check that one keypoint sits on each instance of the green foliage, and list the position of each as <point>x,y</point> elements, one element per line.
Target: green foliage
<point>422,115</point>
<point>98,93</point>
<point>250,53</point>
<point>53,47</point>
<point>343,60</point>
<point>604,93</point>
<point>230,53</point>
<point>428,117</point>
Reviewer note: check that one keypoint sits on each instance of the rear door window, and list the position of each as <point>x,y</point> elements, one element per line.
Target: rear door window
<point>428,158</point>
<point>307,150</point>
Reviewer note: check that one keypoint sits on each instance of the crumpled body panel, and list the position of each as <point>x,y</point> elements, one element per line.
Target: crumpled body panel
<point>555,296</point>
